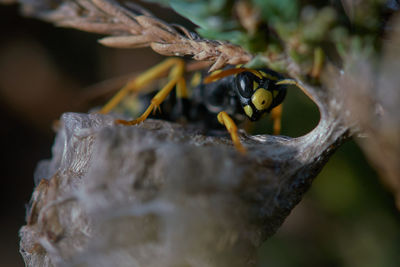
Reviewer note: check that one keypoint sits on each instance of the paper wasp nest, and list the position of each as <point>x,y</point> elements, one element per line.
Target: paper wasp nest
<point>161,194</point>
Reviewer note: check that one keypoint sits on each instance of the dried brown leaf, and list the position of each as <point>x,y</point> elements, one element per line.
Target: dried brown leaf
<point>126,41</point>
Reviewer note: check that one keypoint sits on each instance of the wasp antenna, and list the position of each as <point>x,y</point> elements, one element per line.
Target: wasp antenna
<point>297,84</point>
<point>219,74</point>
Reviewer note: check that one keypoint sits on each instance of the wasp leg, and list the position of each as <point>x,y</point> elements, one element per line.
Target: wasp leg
<point>182,109</point>
<point>230,125</point>
<point>276,116</point>
<point>141,81</point>
<point>176,78</point>
<point>181,88</point>
<point>297,84</point>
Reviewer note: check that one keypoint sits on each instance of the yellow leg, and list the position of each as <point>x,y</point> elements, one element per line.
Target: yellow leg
<point>181,89</point>
<point>230,125</point>
<point>142,80</point>
<point>176,78</point>
<point>276,116</point>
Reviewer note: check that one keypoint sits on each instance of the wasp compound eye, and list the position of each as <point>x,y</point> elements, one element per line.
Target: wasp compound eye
<point>244,85</point>
<point>261,99</point>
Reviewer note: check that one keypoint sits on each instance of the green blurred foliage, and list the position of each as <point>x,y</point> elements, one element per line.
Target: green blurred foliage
<point>278,11</point>
<point>214,18</point>
<point>290,27</point>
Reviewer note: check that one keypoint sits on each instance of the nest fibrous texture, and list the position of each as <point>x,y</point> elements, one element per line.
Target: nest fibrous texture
<point>163,194</point>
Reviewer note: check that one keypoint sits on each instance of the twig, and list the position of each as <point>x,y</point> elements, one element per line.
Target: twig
<point>130,26</point>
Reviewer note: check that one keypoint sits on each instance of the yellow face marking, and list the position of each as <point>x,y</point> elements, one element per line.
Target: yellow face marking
<point>255,85</point>
<point>248,110</point>
<point>261,99</point>
<point>268,76</point>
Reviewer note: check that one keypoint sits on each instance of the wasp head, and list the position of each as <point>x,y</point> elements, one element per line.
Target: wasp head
<point>258,92</point>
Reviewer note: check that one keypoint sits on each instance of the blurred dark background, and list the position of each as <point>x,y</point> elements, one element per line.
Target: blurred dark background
<point>346,219</point>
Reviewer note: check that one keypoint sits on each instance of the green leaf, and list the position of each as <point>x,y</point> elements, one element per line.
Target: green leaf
<point>273,11</point>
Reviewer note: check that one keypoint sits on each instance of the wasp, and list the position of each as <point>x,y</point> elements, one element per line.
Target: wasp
<point>223,98</point>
